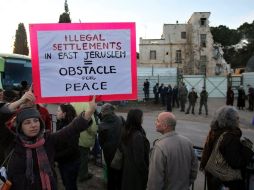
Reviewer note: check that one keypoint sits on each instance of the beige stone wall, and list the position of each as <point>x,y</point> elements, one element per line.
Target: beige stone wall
<point>191,50</point>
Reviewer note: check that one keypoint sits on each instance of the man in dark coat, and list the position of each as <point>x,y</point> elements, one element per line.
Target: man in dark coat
<point>192,97</point>
<point>203,101</point>
<point>110,132</point>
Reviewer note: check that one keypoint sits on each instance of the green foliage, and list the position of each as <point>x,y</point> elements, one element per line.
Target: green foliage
<point>225,36</point>
<point>65,17</point>
<point>20,43</point>
<point>247,30</point>
<point>240,57</point>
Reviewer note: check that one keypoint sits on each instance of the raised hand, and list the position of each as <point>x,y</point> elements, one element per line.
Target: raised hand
<point>90,111</point>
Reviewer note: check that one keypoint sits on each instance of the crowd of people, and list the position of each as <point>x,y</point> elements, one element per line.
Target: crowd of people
<point>31,151</point>
<point>178,96</point>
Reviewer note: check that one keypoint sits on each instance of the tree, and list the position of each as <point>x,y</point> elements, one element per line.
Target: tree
<point>225,36</point>
<point>20,43</point>
<point>65,16</point>
<point>247,30</point>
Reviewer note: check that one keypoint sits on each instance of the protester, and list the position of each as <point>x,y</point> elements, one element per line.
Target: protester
<point>173,163</point>
<point>192,97</point>
<point>203,101</point>
<point>146,89</point>
<point>110,133</point>
<point>31,163</point>
<point>136,152</point>
<point>230,96</point>
<point>68,156</point>
<point>241,98</point>
<point>86,142</point>
<point>236,153</point>
<point>7,110</point>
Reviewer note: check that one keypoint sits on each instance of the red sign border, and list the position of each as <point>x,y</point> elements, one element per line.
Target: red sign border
<point>34,28</point>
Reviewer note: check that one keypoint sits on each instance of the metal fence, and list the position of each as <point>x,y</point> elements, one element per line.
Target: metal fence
<point>216,86</point>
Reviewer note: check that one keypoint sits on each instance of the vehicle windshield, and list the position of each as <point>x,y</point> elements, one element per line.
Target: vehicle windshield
<point>16,70</point>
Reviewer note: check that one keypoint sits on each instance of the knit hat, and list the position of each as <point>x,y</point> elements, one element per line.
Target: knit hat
<point>27,113</point>
<point>107,108</point>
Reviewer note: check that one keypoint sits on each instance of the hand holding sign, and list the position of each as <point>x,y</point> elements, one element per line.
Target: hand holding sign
<point>28,96</point>
<point>90,111</point>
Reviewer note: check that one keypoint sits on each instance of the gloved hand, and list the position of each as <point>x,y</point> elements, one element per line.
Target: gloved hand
<point>247,142</point>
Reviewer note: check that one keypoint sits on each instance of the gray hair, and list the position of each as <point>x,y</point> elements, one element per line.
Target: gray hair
<point>170,121</point>
<point>225,117</point>
<point>107,108</point>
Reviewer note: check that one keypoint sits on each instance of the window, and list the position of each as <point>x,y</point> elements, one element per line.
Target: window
<point>178,56</point>
<point>203,62</point>
<point>203,21</point>
<point>152,54</point>
<point>183,35</point>
<point>203,40</point>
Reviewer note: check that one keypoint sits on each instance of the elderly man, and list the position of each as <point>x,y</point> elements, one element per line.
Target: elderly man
<point>173,163</point>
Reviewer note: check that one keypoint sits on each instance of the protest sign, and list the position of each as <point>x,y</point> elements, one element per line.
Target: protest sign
<point>72,62</point>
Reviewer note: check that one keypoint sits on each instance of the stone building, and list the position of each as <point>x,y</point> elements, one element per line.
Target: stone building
<point>188,47</point>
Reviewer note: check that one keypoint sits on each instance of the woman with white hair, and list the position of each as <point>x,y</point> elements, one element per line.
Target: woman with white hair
<point>237,153</point>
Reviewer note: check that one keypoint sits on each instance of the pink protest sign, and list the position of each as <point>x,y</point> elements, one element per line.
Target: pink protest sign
<point>72,62</point>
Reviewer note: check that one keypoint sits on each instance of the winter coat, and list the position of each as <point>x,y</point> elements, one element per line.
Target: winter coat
<point>110,130</point>
<point>67,151</point>
<point>203,97</point>
<point>230,97</point>
<point>192,97</point>
<point>173,163</point>
<point>235,153</point>
<point>241,98</point>
<point>136,161</point>
<point>87,137</point>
